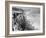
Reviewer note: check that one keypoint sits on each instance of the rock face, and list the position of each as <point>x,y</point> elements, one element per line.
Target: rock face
<point>18,20</point>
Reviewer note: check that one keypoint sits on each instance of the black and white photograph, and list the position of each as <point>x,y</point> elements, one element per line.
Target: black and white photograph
<point>25,18</point>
